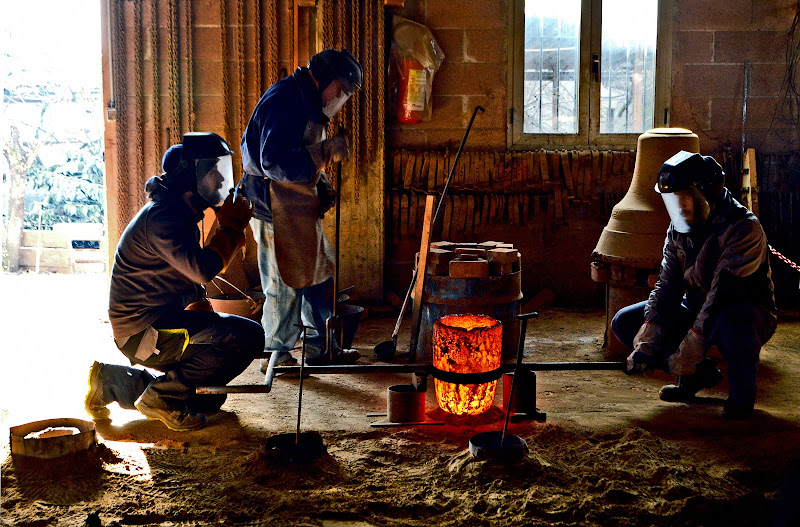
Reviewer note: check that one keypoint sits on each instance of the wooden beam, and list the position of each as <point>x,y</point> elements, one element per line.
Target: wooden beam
<point>750,181</point>
<point>422,265</point>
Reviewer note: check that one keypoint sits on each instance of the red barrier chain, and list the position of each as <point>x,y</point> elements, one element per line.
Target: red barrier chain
<point>785,259</point>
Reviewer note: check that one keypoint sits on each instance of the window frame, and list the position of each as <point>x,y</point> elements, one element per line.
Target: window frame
<point>588,89</point>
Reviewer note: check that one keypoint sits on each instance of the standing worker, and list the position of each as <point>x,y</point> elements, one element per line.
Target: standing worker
<point>714,288</point>
<point>159,269</point>
<point>284,152</point>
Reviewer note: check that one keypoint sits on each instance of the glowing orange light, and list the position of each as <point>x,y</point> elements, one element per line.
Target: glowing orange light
<point>466,344</point>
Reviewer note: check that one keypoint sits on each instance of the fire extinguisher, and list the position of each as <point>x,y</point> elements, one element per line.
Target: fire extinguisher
<point>411,96</point>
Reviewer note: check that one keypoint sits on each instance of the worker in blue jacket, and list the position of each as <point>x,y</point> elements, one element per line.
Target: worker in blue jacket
<point>714,289</point>
<point>284,152</point>
<point>157,310</point>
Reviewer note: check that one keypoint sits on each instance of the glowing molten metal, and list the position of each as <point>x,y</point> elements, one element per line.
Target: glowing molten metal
<point>466,344</point>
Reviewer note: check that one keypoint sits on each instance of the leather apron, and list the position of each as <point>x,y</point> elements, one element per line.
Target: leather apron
<point>304,256</point>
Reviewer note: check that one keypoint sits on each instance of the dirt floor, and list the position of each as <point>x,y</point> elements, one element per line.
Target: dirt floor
<point>610,452</point>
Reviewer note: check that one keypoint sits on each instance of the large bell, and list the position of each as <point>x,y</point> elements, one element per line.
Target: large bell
<point>634,235</point>
<point>629,251</point>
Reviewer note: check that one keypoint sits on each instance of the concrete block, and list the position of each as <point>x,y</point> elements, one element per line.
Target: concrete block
<point>694,47</point>
<point>451,40</point>
<point>469,79</point>
<point>485,45</point>
<point>469,268</point>
<point>446,245</point>
<point>504,261</point>
<point>717,80</point>
<point>439,261</point>
<point>776,14</point>
<point>477,252</point>
<point>766,79</point>
<point>467,14</point>
<point>693,113</point>
<point>752,46</point>
<point>691,14</point>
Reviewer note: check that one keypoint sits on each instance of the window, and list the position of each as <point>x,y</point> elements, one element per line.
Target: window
<point>588,72</point>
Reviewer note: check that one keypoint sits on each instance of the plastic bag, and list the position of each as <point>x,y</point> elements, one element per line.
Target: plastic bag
<point>414,59</point>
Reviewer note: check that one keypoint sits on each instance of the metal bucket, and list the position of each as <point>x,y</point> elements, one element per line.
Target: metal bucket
<point>494,296</point>
<point>405,404</point>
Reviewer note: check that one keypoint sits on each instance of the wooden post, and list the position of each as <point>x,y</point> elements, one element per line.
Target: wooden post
<point>750,181</point>
<point>422,265</point>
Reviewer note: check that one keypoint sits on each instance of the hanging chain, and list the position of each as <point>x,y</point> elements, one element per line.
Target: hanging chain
<point>355,40</point>
<point>189,67</point>
<point>259,58</point>
<point>272,47</point>
<point>226,88</point>
<point>380,78</point>
<point>369,38</point>
<point>784,259</point>
<point>242,98</point>
<point>154,55</point>
<point>138,67</point>
<point>174,90</point>
<point>240,62</point>
<point>121,96</point>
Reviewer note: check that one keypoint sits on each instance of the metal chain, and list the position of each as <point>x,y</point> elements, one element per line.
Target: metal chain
<point>174,90</point>
<point>380,78</point>
<point>240,61</point>
<point>189,67</point>
<point>784,259</point>
<point>369,39</point>
<point>154,56</point>
<point>226,88</point>
<point>355,113</point>
<point>259,58</point>
<point>134,180</point>
<point>272,48</point>
<point>242,99</point>
<point>121,96</point>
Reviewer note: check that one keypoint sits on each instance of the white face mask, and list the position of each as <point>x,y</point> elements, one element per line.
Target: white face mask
<point>688,209</point>
<point>335,104</point>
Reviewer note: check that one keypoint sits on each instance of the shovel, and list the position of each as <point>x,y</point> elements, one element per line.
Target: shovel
<point>386,349</point>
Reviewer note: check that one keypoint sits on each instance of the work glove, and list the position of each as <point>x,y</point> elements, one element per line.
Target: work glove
<point>226,242</point>
<point>326,194</point>
<point>235,213</point>
<point>690,353</point>
<point>647,345</point>
<point>337,148</point>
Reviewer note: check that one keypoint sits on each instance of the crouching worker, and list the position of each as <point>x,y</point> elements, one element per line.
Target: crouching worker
<point>714,288</point>
<point>158,271</point>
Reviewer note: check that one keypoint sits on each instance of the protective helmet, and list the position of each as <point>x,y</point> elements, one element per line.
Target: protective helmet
<point>211,158</point>
<point>689,184</point>
<point>330,64</point>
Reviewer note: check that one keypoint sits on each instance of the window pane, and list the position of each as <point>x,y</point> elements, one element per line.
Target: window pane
<point>550,82</point>
<point>628,71</point>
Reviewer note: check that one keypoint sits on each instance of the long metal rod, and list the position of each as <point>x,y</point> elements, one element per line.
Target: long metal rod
<point>421,368</point>
<point>302,361</point>
<point>520,352</point>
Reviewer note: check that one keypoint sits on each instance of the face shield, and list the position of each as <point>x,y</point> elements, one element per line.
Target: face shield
<point>688,209</point>
<point>214,178</point>
<point>338,101</point>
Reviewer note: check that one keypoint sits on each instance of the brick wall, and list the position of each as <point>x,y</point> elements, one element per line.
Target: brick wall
<point>473,38</point>
<point>712,43</point>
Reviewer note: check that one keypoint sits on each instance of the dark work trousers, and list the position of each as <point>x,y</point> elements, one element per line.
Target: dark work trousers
<point>195,348</point>
<point>739,333</point>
